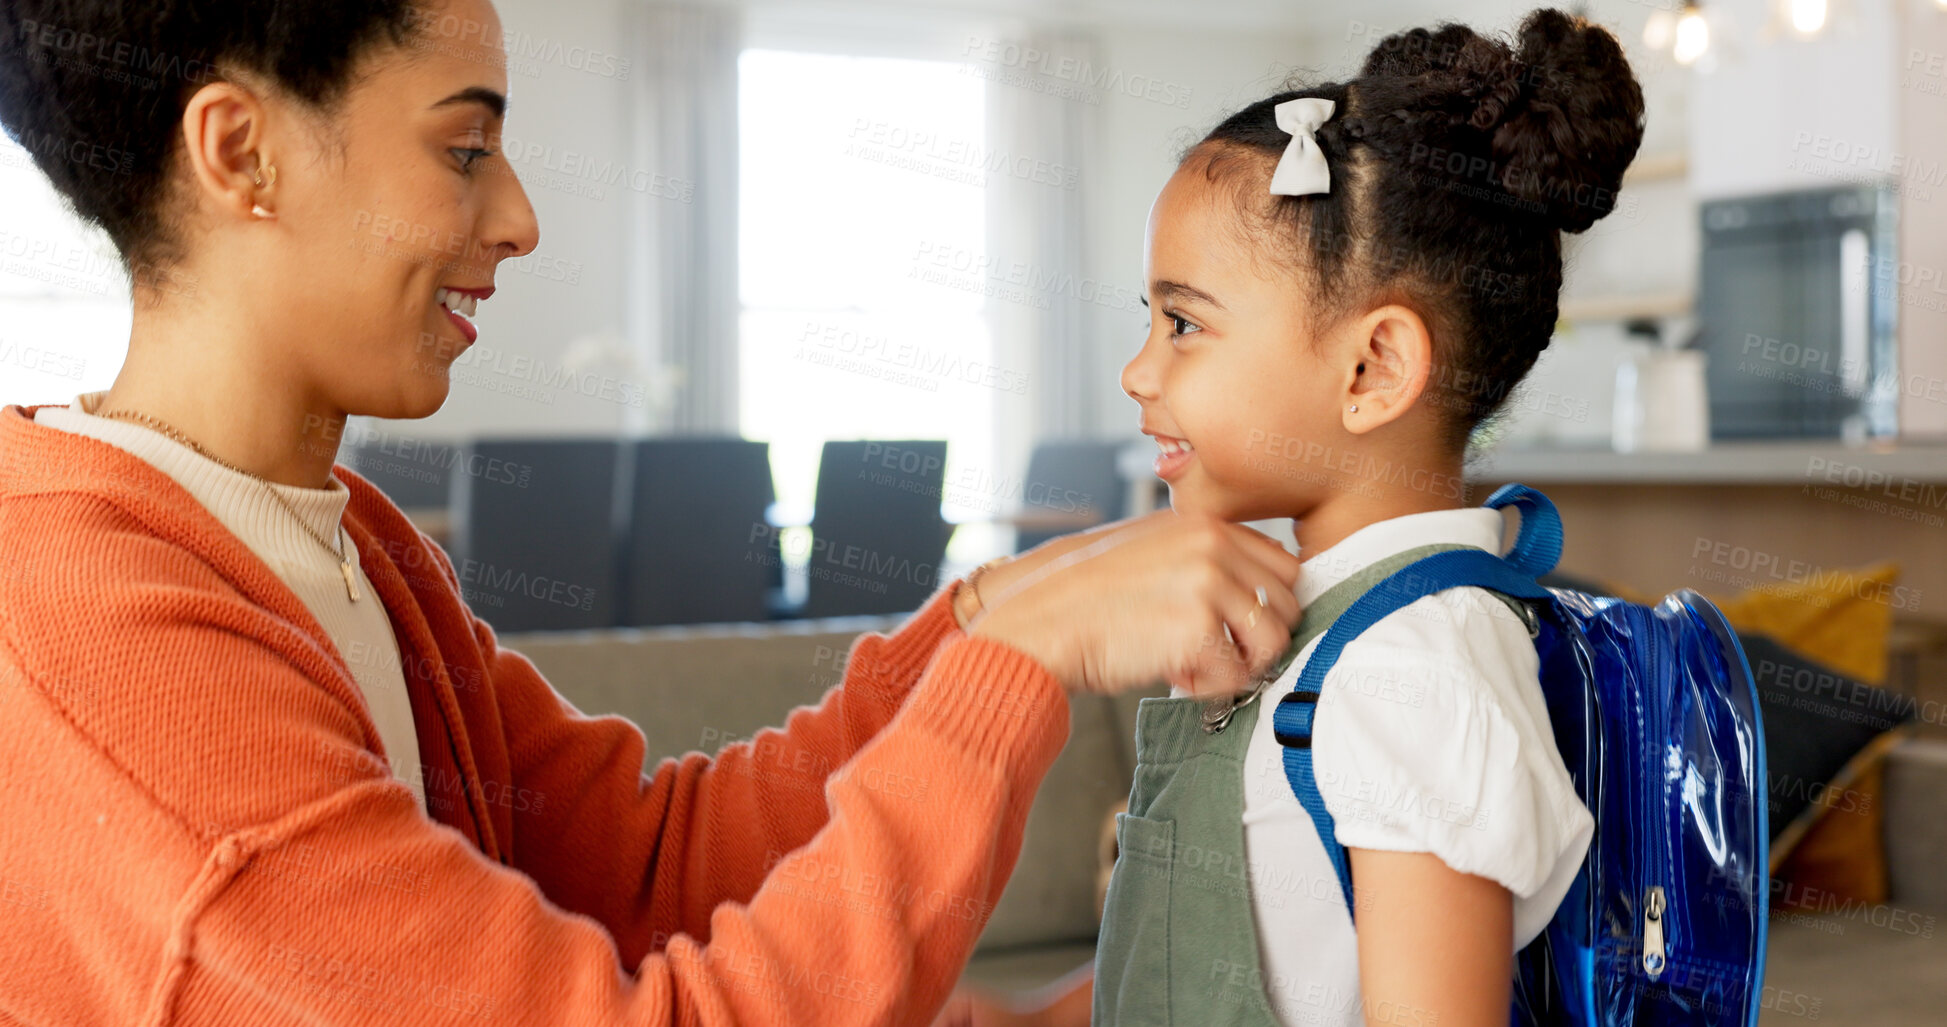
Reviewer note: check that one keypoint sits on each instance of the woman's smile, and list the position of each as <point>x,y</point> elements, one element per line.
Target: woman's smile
<point>459,306</point>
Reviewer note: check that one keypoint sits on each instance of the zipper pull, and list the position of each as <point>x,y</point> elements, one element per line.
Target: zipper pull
<point>1654,957</point>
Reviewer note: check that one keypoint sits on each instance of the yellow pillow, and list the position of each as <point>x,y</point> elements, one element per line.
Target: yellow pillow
<point>1841,619</point>
<point>1838,618</point>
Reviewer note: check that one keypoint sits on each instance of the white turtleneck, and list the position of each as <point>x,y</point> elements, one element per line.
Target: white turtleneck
<point>359,629</point>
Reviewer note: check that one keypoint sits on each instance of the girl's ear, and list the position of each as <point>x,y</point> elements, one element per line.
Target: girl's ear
<point>1391,352</point>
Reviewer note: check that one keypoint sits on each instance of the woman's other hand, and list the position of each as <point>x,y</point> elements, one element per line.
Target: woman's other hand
<point>1166,596</point>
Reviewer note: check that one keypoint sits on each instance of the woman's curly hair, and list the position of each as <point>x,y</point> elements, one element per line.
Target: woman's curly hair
<point>95,91</point>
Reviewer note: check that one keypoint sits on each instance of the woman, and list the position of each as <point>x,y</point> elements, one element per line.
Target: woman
<point>263,766</point>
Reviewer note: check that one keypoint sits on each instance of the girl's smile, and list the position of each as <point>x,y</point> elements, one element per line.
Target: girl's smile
<point>1175,457</point>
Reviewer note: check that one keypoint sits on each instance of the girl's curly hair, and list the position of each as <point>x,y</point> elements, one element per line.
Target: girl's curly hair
<point>1457,161</point>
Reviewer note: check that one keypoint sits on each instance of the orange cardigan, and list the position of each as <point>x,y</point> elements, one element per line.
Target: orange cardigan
<point>198,827</point>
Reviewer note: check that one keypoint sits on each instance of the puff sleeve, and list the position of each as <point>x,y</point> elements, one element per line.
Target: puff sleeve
<point>1432,735</point>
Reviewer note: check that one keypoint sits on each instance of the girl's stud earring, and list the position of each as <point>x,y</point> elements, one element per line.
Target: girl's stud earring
<point>258,210</point>
<point>1354,408</point>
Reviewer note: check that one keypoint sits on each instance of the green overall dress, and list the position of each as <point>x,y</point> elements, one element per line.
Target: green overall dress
<point>1178,944</point>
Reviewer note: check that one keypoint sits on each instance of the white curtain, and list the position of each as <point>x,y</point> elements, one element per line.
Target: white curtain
<point>682,252</point>
<point>1040,224</point>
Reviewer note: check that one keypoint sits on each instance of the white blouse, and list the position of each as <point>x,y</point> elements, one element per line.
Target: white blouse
<point>1431,735</point>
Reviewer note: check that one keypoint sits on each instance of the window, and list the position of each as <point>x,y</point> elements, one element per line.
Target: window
<point>854,177</point>
<point>64,302</point>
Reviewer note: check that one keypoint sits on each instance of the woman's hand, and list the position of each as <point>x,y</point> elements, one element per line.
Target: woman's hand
<point>969,604</point>
<point>1127,604</point>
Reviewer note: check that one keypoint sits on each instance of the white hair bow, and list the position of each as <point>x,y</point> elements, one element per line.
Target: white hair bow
<point>1301,171</point>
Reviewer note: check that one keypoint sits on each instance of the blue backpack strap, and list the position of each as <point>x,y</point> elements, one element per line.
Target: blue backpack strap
<point>1538,545</point>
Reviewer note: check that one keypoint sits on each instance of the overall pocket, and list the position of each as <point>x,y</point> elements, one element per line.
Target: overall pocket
<point>1132,955</point>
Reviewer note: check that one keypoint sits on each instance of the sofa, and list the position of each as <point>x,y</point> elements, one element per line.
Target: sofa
<point>701,687</point>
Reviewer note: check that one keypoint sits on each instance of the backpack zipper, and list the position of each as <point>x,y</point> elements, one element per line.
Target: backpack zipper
<point>1654,957</point>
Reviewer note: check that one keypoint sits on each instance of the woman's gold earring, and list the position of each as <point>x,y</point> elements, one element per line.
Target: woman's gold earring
<point>257,178</point>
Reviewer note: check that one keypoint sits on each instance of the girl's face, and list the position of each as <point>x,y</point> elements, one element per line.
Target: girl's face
<point>391,218</point>
<point>1240,395</point>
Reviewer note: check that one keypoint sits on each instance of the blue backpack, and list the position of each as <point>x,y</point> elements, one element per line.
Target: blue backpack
<point>1655,713</point>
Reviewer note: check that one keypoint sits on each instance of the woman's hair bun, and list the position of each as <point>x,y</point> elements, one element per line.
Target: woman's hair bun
<point>1558,113</point>
<point>94,90</point>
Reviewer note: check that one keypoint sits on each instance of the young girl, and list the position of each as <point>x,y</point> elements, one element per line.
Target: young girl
<point>1344,281</point>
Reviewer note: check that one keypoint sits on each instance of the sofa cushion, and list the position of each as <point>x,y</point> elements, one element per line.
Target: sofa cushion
<point>699,688</point>
<point>696,688</point>
<point>1051,897</point>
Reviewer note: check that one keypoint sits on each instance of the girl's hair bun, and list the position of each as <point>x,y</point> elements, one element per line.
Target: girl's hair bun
<point>1566,118</point>
<point>1558,114</point>
<point>1464,158</point>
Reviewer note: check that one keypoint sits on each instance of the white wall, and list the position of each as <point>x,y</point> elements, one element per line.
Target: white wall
<point>534,319</point>
<point>1646,250</point>
<point>1648,247</point>
<point>1212,65</point>
<point>1777,112</point>
<point>1139,143</point>
<point>1921,100</point>
<point>567,115</point>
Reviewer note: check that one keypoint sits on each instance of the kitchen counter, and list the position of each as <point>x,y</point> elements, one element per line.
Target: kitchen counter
<point>1875,465</point>
<point>1897,471</point>
<point>1659,521</point>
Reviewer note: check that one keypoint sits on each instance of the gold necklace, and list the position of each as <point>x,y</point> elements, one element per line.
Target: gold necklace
<point>344,561</point>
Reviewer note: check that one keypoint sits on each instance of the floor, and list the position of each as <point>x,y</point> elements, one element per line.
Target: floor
<point>1022,970</point>
<point>1874,967</point>
<point>1878,967</point>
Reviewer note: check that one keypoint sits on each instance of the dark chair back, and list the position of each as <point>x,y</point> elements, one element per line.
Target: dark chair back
<point>697,548</point>
<point>877,535</point>
<point>1072,478</point>
<point>533,535</point>
<point>414,474</point>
